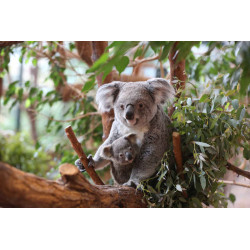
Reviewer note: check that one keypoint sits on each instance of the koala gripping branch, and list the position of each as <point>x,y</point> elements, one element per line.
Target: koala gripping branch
<point>78,149</point>
<point>20,189</point>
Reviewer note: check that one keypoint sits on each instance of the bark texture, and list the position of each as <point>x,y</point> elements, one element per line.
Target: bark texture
<point>8,43</point>
<point>20,189</point>
<point>177,73</point>
<point>108,117</point>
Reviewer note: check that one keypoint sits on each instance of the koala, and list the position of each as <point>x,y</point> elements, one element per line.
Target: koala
<point>121,153</point>
<point>138,109</point>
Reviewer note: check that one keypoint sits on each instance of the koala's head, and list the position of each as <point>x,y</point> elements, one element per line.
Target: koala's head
<point>135,103</point>
<point>122,151</point>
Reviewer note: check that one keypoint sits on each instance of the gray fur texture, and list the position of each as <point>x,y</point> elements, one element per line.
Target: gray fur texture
<point>121,153</point>
<point>138,109</point>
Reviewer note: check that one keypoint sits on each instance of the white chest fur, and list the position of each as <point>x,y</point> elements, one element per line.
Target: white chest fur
<point>124,130</point>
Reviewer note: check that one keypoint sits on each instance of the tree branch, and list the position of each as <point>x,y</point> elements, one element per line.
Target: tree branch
<point>83,158</point>
<point>20,189</point>
<point>238,170</point>
<point>234,183</point>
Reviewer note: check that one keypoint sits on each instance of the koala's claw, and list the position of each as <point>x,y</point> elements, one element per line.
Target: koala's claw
<point>131,184</point>
<point>79,165</point>
<point>91,161</point>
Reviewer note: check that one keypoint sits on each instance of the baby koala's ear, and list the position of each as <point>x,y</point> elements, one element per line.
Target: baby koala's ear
<point>107,151</point>
<point>131,138</point>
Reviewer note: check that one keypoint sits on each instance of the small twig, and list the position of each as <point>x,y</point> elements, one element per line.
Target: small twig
<point>238,170</point>
<point>234,183</point>
<point>83,158</point>
<point>148,59</point>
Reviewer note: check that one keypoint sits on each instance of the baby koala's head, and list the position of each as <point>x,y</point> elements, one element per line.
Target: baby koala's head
<point>122,151</point>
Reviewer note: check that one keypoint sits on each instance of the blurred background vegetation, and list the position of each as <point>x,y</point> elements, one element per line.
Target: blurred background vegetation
<point>46,86</point>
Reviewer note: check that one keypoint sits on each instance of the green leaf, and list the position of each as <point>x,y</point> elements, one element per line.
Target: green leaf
<point>89,85</point>
<point>235,103</point>
<point>27,103</point>
<point>203,144</point>
<point>232,198</point>
<point>27,84</point>
<point>246,152</point>
<point>203,182</point>
<point>20,94</point>
<point>122,64</point>
<point>204,98</point>
<point>166,50</point>
<point>103,58</point>
<point>34,61</point>
<point>242,114</point>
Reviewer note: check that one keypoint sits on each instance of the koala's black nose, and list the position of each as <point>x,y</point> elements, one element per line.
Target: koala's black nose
<point>129,112</point>
<point>129,115</point>
<point>128,156</point>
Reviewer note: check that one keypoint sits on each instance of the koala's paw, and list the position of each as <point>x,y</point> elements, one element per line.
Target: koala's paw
<point>91,161</point>
<point>131,183</point>
<point>79,165</point>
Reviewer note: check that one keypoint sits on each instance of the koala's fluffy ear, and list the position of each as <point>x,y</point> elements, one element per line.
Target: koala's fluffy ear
<point>131,138</point>
<point>161,90</point>
<point>107,94</point>
<point>107,151</point>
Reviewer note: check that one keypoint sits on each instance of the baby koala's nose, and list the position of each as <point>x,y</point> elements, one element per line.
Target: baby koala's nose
<point>129,156</point>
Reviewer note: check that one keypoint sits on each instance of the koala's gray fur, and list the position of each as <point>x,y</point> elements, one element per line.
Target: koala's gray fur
<point>138,109</point>
<point>121,153</point>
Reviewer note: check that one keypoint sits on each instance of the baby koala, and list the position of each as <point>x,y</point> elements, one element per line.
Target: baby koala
<point>121,153</point>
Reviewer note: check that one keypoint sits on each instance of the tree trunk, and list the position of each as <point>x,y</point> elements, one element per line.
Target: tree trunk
<point>108,117</point>
<point>177,72</point>
<point>20,189</point>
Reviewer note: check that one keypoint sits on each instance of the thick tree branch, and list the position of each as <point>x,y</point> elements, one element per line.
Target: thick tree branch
<point>177,73</point>
<point>20,189</point>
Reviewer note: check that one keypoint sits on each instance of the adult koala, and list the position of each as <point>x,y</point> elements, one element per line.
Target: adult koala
<point>138,109</point>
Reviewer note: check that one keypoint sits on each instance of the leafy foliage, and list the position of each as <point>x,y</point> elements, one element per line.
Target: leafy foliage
<point>18,151</point>
<point>212,128</point>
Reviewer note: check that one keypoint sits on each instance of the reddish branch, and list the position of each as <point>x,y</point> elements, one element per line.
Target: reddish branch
<point>177,73</point>
<point>8,43</point>
<point>83,158</point>
<point>238,170</point>
<point>20,189</point>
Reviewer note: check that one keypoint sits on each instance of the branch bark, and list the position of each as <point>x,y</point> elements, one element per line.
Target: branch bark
<point>238,170</point>
<point>20,189</point>
<point>8,43</point>
<point>177,73</point>
<point>83,158</point>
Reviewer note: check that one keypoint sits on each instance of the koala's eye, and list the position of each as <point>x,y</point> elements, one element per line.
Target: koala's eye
<point>120,155</point>
<point>140,105</point>
<point>122,106</point>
